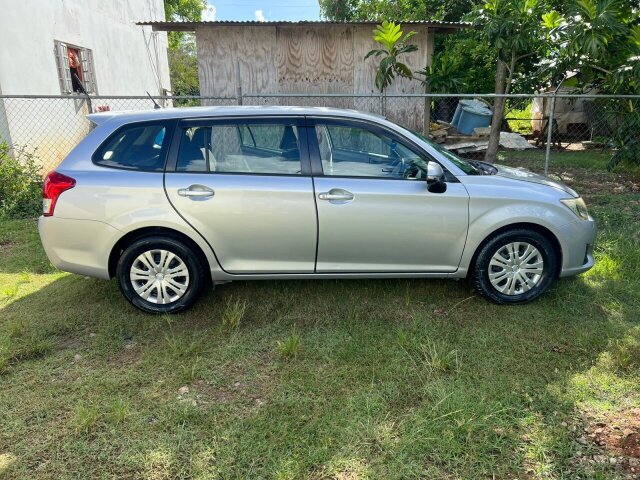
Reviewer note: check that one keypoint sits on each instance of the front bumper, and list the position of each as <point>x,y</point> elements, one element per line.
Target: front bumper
<point>577,241</point>
<point>78,246</point>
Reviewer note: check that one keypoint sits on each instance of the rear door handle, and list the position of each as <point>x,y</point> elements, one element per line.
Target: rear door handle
<point>196,191</point>
<point>336,194</point>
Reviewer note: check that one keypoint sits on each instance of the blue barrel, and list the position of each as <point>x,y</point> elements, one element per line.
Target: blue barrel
<point>473,117</point>
<point>465,103</point>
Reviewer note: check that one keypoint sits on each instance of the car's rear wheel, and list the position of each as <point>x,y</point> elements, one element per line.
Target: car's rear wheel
<point>516,266</point>
<point>160,275</point>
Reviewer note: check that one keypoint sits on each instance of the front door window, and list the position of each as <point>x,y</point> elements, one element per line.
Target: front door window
<point>353,151</point>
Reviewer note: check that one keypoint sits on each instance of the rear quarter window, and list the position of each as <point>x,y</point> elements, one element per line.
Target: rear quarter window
<point>141,146</point>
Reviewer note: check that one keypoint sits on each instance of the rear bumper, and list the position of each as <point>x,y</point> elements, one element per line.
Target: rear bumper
<point>578,242</point>
<point>78,246</point>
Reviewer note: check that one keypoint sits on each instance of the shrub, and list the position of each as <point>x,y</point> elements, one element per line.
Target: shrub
<point>20,183</point>
<point>626,142</point>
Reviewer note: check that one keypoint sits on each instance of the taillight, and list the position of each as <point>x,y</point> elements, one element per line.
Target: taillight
<point>54,184</point>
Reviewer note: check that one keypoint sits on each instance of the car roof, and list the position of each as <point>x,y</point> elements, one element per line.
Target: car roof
<point>124,117</point>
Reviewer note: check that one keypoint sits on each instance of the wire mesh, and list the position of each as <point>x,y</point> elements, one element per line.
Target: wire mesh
<point>50,126</point>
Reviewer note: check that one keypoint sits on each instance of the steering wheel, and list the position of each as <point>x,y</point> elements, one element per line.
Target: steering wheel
<point>400,167</point>
<point>412,171</point>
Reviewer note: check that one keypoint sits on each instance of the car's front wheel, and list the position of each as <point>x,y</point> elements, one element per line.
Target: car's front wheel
<point>516,266</point>
<point>160,275</point>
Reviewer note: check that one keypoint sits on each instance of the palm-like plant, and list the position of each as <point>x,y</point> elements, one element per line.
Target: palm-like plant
<point>390,36</point>
<point>442,76</point>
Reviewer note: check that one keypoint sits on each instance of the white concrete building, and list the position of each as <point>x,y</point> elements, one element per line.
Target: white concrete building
<point>74,48</point>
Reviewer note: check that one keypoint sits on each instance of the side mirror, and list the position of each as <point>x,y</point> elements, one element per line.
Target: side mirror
<point>435,178</point>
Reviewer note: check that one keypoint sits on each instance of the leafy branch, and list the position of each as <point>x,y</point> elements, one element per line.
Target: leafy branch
<point>390,36</point>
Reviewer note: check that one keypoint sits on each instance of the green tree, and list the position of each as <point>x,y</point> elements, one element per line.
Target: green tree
<point>183,69</point>
<point>513,30</point>
<point>600,39</point>
<point>474,58</point>
<point>378,10</point>
<point>183,62</point>
<point>190,10</point>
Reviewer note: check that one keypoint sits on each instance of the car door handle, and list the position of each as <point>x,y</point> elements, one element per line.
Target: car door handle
<point>332,195</point>
<point>196,191</point>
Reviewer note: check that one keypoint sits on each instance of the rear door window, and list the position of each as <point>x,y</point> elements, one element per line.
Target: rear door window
<point>135,147</point>
<point>241,147</point>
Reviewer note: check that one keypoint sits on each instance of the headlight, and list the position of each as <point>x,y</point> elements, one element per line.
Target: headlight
<point>577,206</point>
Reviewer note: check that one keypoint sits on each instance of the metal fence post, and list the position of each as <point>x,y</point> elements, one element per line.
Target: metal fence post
<point>550,133</point>
<point>550,124</point>
<point>238,84</point>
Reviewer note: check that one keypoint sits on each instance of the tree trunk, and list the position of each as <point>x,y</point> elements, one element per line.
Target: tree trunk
<point>498,113</point>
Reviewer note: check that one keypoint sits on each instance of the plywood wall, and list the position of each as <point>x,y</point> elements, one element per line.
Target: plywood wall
<point>232,57</point>
<point>311,59</point>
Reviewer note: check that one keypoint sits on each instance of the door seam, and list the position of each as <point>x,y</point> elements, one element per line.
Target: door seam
<point>315,205</point>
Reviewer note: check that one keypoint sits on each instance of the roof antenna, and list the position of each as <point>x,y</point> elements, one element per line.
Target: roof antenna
<point>156,105</point>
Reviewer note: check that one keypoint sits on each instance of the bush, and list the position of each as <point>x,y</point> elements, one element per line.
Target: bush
<point>20,184</point>
<point>626,141</point>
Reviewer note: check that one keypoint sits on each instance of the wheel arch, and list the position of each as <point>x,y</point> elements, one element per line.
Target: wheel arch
<point>542,230</point>
<point>139,233</point>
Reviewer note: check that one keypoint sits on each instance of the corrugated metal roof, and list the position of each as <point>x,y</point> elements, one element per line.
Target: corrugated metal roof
<point>178,25</point>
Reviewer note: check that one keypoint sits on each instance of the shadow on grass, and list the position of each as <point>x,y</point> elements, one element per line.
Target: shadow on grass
<point>394,378</point>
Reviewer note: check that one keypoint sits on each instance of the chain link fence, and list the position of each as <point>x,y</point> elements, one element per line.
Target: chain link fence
<point>50,126</point>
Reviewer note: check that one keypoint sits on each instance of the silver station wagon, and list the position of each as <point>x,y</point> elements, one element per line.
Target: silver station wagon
<point>172,201</point>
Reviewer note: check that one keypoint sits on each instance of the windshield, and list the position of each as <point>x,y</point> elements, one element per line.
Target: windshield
<point>462,164</point>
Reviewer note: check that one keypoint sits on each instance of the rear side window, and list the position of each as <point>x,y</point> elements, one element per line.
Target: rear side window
<point>255,148</point>
<point>135,147</point>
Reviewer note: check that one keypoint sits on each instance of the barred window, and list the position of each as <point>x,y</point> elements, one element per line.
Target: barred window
<point>75,68</point>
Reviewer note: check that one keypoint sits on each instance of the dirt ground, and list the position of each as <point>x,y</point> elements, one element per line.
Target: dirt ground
<point>615,439</point>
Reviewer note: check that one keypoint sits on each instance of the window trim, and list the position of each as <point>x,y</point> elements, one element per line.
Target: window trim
<point>169,126</point>
<point>314,149</point>
<point>87,65</point>
<point>298,121</point>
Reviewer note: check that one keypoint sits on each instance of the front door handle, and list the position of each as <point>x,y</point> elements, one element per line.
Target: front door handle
<point>336,194</point>
<point>196,191</point>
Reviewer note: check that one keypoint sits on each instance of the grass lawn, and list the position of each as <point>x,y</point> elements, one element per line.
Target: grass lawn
<point>376,379</point>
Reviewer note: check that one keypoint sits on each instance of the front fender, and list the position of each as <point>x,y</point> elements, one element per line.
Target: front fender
<point>487,217</point>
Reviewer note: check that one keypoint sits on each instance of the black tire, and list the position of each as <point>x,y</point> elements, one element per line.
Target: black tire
<point>482,268</point>
<point>193,283</point>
